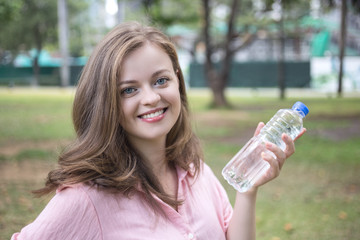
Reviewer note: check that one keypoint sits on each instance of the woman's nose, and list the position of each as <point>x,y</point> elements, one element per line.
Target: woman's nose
<point>150,97</point>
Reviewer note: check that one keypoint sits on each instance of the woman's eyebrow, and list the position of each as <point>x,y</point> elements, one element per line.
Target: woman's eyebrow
<point>160,72</point>
<point>128,82</point>
<point>155,74</point>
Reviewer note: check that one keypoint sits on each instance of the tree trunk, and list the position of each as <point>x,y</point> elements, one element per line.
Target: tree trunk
<point>226,65</point>
<point>342,45</point>
<point>297,43</point>
<point>36,69</point>
<point>281,64</point>
<point>39,45</point>
<point>218,80</point>
<point>220,99</point>
<point>64,43</point>
<point>36,64</point>
<point>212,76</point>
<point>217,87</point>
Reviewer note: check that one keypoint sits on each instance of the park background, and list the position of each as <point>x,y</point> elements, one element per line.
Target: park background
<point>280,52</point>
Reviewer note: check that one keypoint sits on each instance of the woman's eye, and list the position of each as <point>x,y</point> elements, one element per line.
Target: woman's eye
<point>161,81</point>
<point>128,90</point>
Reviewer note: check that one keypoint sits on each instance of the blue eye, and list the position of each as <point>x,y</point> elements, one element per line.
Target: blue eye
<point>128,90</point>
<point>161,81</point>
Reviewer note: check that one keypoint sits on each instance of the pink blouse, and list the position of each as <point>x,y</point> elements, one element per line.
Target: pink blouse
<point>83,212</point>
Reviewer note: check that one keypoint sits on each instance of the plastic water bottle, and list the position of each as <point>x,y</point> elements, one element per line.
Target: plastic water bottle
<point>247,166</point>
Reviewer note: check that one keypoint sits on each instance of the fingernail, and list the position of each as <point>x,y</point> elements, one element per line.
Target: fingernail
<point>269,145</point>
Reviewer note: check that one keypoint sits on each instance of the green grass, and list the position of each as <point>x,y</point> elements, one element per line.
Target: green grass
<point>316,196</point>
<point>35,116</point>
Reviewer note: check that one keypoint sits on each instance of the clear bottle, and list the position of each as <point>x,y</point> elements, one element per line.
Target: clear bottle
<point>245,168</point>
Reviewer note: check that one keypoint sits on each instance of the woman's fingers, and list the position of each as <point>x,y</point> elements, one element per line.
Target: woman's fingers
<point>290,145</point>
<point>280,155</point>
<point>258,128</point>
<point>277,157</point>
<point>301,133</point>
<point>275,167</point>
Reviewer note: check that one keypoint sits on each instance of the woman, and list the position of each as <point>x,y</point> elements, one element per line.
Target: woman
<point>135,170</point>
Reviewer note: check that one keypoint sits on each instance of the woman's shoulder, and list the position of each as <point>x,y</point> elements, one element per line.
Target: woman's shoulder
<point>73,195</point>
<point>72,199</point>
<point>80,194</point>
<point>91,196</point>
<point>76,190</point>
<point>69,213</point>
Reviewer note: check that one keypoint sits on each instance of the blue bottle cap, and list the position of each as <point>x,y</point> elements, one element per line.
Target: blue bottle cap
<point>300,107</point>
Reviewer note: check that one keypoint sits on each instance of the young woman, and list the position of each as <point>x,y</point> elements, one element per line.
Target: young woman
<point>135,170</point>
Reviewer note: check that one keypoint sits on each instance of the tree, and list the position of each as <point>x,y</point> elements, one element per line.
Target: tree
<point>355,7</point>
<point>64,42</point>
<point>217,80</point>
<point>242,24</point>
<point>342,44</point>
<point>166,13</point>
<point>8,10</point>
<point>288,11</point>
<point>343,31</point>
<point>33,26</point>
<point>232,42</point>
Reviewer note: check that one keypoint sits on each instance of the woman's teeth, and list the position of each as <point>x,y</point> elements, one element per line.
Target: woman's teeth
<point>152,115</point>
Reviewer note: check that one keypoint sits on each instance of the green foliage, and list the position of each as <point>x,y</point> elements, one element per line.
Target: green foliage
<point>78,24</point>
<point>8,10</point>
<point>33,24</point>
<point>166,13</point>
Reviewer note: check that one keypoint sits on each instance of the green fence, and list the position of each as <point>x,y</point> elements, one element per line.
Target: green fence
<point>245,74</point>
<point>257,74</point>
<point>22,76</point>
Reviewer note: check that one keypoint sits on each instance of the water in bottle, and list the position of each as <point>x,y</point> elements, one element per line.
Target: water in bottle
<point>247,166</point>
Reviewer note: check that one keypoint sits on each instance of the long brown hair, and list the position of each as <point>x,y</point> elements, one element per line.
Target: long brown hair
<point>101,154</point>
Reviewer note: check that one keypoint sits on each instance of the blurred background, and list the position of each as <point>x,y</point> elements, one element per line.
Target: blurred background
<point>243,60</point>
<point>311,44</point>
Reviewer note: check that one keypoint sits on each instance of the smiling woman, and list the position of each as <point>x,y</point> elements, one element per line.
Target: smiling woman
<point>152,106</point>
<point>135,169</point>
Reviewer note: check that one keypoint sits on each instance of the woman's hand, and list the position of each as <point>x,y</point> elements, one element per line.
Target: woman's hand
<point>276,163</point>
<point>243,221</point>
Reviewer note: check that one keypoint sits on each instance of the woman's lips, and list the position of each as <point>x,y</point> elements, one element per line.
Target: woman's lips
<point>153,116</point>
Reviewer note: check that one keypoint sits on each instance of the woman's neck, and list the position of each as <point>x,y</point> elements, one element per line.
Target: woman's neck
<point>154,152</point>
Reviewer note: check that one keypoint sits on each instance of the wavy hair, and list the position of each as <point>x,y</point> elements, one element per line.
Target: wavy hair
<point>101,154</point>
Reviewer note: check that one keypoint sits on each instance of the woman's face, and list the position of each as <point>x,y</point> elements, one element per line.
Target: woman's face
<point>150,97</point>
